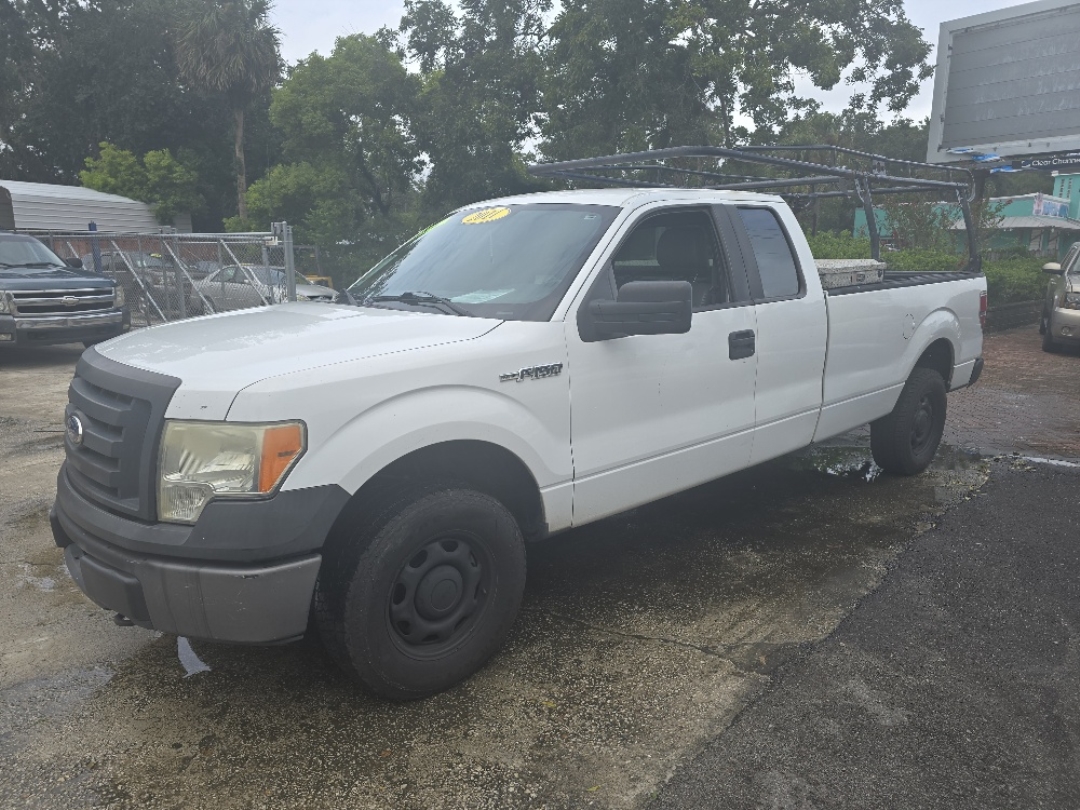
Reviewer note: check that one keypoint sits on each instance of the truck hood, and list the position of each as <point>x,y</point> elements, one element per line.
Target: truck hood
<point>223,354</point>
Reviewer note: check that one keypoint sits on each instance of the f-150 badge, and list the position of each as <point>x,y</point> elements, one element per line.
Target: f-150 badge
<point>532,373</point>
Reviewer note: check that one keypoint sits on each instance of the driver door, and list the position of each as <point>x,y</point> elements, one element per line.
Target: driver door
<point>656,414</point>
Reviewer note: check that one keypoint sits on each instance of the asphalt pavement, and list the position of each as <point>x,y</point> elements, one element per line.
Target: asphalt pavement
<point>955,684</point>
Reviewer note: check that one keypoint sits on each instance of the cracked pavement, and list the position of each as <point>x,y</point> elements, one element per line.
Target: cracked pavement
<point>641,638</point>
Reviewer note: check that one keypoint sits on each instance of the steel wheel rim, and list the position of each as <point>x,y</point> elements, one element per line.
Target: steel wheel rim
<point>438,595</point>
<point>922,426</point>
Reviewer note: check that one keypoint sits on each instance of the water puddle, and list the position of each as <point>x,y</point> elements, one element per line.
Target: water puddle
<point>838,461</point>
<point>1055,462</point>
<point>852,461</point>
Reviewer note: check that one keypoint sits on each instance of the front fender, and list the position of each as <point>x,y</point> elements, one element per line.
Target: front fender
<point>375,438</point>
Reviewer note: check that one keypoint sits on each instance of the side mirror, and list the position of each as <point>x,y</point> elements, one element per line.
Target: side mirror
<point>643,308</point>
<point>76,263</point>
<point>1053,268</point>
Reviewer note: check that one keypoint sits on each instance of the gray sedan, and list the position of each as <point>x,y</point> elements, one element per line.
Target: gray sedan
<point>240,286</point>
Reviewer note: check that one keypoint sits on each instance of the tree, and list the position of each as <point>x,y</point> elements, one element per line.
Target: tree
<point>483,73</point>
<point>630,74</point>
<point>352,161</point>
<point>228,47</point>
<point>158,179</point>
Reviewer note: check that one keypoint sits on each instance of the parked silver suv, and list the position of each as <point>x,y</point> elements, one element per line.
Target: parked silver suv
<point>1060,324</point>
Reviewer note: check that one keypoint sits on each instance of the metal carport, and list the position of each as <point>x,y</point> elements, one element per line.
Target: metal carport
<point>47,207</point>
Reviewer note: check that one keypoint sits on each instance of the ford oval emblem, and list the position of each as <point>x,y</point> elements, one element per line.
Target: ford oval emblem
<point>75,430</point>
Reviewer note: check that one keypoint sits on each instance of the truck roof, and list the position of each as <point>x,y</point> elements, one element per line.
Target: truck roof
<point>628,197</point>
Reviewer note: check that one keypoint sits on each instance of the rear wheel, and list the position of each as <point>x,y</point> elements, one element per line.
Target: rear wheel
<point>905,441</point>
<point>425,593</point>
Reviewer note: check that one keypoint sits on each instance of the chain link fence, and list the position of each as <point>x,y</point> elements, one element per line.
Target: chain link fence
<point>171,276</point>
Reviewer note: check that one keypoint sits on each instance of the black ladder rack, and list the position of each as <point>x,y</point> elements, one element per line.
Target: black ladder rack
<point>798,181</point>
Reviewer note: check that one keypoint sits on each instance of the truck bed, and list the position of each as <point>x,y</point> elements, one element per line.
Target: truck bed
<point>895,279</point>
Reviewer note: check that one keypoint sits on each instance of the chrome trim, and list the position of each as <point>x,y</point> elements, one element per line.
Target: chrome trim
<point>533,373</point>
<point>69,321</point>
<point>27,302</point>
<point>64,299</point>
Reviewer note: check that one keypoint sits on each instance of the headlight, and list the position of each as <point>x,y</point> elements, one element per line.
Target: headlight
<point>120,300</point>
<point>1071,300</point>
<point>5,306</point>
<point>302,297</point>
<point>205,460</point>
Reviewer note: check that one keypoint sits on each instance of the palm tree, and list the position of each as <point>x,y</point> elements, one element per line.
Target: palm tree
<point>229,47</point>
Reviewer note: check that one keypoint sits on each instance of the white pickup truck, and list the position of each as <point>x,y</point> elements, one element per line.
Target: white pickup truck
<point>528,365</point>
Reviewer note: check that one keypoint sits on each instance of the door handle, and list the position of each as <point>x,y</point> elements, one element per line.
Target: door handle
<point>741,344</point>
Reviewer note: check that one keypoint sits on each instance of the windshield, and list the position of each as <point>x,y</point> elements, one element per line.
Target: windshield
<point>512,262</point>
<point>20,252</point>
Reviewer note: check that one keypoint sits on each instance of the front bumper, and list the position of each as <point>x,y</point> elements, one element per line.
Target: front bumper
<point>53,329</point>
<point>147,571</point>
<point>1065,326</point>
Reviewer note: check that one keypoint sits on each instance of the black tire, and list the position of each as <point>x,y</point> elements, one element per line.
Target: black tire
<point>1048,344</point>
<point>905,441</point>
<point>425,593</point>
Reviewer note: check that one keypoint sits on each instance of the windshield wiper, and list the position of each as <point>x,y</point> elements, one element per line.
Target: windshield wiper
<point>40,264</point>
<point>424,299</point>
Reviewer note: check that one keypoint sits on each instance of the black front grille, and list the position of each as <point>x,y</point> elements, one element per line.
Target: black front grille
<point>121,411</point>
<point>63,302</point>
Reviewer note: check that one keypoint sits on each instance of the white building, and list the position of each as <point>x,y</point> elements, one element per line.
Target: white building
<point>70,209</point>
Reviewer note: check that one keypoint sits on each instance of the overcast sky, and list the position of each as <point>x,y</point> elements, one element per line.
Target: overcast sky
<point>313,25</point>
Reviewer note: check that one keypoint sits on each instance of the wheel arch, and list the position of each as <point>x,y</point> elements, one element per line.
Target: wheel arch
<point>938,356</point>
<point>481,465</point>
<point>935,344</point>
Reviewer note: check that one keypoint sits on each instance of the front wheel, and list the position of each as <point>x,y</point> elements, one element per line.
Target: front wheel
<point>1045,328</point>
<point>431,596</point>
<point>905,441</point>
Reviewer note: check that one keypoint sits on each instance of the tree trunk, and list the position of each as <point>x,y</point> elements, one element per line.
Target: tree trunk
<point>241,165</point>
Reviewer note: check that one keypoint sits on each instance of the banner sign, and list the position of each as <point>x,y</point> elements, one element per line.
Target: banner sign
<point>1049,207</point>
<point>1049,163</point>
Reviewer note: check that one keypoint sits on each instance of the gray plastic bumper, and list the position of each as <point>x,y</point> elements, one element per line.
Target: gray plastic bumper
<point>247,600</point>
<point>254,605</point>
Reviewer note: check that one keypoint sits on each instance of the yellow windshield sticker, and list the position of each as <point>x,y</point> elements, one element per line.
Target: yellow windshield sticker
<point>485,215</point>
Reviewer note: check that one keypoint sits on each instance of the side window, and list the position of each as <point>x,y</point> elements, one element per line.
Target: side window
<point>675,246</point>
<point>776,264</point>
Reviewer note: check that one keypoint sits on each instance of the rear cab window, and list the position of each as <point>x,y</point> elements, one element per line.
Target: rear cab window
<point>775,259</point>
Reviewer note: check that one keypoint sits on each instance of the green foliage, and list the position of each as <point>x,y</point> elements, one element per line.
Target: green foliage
<point>348,185</point>
<point>1014,279</point>
<point>483,73</point>
<point>632,74</point>
<point>228,48</point>
<point>925,260</point>
<point>365,150</point>
<point>158,179</point>
<point>352,111</point>
<point>919,223</point>
<point>1014,275</point>
<point>838,245</point>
